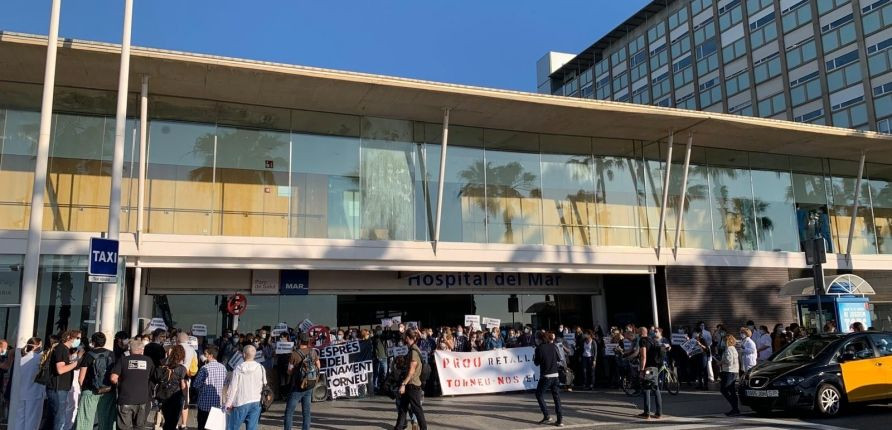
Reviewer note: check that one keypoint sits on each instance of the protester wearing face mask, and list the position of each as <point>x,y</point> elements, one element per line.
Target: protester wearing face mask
<point>62,365</point>
<point>763,344</point>
<point>526,338</point>
<point>748,349</point>
<point>30,404</point>
<point>460,341</point>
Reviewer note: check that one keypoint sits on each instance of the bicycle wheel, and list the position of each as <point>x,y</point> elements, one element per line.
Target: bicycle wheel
<point>672,385</point>
<point>628,386</point>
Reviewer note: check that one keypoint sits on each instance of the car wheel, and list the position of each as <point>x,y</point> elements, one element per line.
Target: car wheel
<point>828,400</point>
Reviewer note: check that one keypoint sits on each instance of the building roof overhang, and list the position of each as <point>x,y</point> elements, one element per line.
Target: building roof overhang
<point>95,65</point>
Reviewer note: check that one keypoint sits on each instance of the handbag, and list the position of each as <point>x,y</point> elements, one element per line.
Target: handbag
<point>216,420</point>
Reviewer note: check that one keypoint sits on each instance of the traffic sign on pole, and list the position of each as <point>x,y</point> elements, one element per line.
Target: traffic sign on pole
<point>103,265</point>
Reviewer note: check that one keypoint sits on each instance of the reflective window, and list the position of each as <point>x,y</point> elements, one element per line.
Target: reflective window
<point>811,194</point>
<point>513,187</point>
<point>879,178</point>
<point>843,195</point>
<point>733,211</point>
<point>618,182</point>
<point>696,231</point>
<point>568,200</point>
<point>774,203</point>
<point>181,193</point>
<point>388,180</point>
<point>325,184</point>
<point>19,145</point>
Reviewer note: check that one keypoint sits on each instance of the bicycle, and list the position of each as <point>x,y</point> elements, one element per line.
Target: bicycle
<point>668,380</point>
<point>629,381</point>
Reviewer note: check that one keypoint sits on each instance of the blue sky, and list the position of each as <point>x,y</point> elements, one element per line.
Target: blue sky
<point>492,43</point>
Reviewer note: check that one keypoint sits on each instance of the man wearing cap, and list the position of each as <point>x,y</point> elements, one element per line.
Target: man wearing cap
<point>304,395</point>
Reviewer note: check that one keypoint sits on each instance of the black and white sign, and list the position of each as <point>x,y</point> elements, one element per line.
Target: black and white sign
<point>348,368</point>
<point>199,330</point>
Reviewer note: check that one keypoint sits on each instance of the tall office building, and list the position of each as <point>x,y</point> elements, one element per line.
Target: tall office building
<point>818,61</point>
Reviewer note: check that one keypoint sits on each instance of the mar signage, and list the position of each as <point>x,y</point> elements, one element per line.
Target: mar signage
<point>294,282</point>
<point>103,265</point>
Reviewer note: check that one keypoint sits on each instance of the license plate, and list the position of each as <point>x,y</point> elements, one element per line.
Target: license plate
<point>762,393</point>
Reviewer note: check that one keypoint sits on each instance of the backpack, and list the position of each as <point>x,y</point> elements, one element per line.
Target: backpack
<point>305,373</point>
<point>266,393</point>
<point>168,386</point>
<point>100,366</point>
<point>45,374</point>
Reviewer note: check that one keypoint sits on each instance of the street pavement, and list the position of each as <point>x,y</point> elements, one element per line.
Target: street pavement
<point>600,409</point>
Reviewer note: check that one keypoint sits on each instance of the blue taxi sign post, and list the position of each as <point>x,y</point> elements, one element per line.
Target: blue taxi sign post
<point>103,260</point>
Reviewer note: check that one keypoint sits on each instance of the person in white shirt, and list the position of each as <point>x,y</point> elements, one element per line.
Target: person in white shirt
<point>30,404</point>
<point>763,344</point>
<point>749,349</point>
<point>243,396</point>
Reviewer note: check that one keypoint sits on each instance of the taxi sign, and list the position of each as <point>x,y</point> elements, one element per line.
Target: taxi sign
<point>103,266</point>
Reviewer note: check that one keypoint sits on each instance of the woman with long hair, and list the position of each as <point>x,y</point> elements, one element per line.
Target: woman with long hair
<point>172,387</point>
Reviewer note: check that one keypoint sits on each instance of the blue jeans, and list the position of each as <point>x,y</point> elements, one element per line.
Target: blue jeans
<point>646,390</point>
<point>380,374</point>
<point>306,399</point>
<point>57,406</point>
<point>248,414</point>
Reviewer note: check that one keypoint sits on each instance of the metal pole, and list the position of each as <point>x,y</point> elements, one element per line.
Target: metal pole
<point>442,177</point>
<point>665,195</point>
<point>110,290</point>
<point>136,296</point>
<point>684,192</point>
<point>855,207</point>
<point>653,298</point>
<point>28,297</point>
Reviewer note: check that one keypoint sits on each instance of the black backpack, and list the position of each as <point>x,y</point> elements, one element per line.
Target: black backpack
<point>101,364</point>
<point>169,385</point>
<point>45,373</point>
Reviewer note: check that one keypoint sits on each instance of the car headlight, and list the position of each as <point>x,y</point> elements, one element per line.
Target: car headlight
<point>788,381</point>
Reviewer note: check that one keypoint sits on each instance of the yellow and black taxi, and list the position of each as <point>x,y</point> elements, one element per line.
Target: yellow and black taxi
<point>822,373</point>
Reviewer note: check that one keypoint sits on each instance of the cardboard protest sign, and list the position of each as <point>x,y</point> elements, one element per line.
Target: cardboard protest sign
<point>610,349</point>
<point>679,338</point>
<point>199,330</point>
<point>305,325</point>
<point>491,323</point>
<point>284,347</point>
<point>397,351</point>
<point>570,339</point>
<point>412,325</point>
<point>236,359</point>
<point>348,368</point>
<point>193,342</point>
<point>386,323</point>
<point>692,347</point>
<point>396,320</point>
<point>278,329</point>
<point>156,323</point>
<point>472,321</point>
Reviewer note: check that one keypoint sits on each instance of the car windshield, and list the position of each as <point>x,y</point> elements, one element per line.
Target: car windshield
<point>803,349</point>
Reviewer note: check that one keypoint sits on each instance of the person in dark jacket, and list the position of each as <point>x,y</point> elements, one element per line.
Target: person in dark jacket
<point>547,358</point>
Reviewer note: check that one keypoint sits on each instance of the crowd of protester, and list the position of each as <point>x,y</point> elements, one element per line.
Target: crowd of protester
<point>151,380</point>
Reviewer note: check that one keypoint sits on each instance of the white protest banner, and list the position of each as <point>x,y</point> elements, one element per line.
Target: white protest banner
<point>193,342</point>
<point>481,372</point>
<point>570,339</point>
<point>691,347</point>
<point>305,325</point>
<point>396,321</point>
<point>491,323</point>
<point>236,359</point>
<point>348,368</point>
<point>284,347</point>
<point>679,338</point>
<point>397,351</point>
<point>386,323</point>
<point>472,321</point>
<point>610,349</point>
<point>157,323</point>
<point>199,330</point>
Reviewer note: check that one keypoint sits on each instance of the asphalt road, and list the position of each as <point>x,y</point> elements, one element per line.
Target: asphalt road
<point>602,409</point>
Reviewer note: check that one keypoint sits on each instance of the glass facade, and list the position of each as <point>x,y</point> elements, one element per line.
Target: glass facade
<point>234,170</point>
